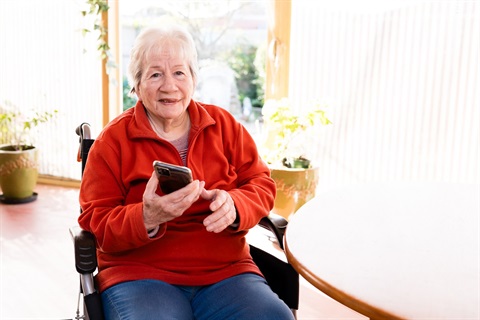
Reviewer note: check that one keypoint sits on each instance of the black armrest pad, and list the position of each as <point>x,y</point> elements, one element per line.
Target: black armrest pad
<point>93,303</point>
<point>276,224</point>
<point>85,250</point>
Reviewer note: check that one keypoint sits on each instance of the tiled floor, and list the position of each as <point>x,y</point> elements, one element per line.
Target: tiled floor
<point>37,274</point>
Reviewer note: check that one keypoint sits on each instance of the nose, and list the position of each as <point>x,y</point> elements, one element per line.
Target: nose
<point>169,83</point>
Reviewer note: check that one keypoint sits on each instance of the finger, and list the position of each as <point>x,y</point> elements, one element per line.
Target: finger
<point>208,194</point>
<point>220,198</point>
<point>152,182</point>
<point>189,193</point>
<point>194,192</point>
<point>221,218</point>
<point>221,224</point>
<point>151,186</point>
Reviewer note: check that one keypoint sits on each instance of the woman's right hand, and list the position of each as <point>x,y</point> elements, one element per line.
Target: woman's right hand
<point>160,209</point>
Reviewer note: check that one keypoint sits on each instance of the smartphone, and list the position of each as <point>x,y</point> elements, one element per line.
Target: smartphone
<point>171,177</point>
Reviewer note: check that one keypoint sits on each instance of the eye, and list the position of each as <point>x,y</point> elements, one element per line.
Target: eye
<point>156,75</point>
<point>179,73</point>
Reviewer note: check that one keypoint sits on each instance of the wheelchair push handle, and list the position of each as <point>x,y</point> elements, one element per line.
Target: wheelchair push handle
<point>84,131</point>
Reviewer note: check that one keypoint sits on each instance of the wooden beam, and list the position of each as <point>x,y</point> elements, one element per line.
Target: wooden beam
<point>56,181</point>
<point>278,51</point>
<point>105,79</point>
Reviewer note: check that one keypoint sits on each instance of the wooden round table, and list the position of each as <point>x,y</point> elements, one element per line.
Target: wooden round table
<point>392,251</point>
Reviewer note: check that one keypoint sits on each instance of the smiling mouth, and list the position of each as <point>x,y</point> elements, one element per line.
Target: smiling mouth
<point>168,100</point>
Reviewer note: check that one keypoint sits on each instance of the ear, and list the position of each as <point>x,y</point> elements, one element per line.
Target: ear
<point>133,93</point>
<point>138,93</point>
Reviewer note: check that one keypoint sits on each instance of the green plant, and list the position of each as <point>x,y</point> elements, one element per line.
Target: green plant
<point>96,8</point>
<point>17,128</point>
<point>287,131</point>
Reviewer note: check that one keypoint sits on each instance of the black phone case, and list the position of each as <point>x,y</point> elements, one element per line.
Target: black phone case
<point>172,177</point>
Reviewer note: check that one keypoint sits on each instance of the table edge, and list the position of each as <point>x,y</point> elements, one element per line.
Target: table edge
<point>340,296</point>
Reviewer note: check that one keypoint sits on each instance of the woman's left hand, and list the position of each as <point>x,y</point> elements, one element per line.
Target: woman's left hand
<point>223,210</point>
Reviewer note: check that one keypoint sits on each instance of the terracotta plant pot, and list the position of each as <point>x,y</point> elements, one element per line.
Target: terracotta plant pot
<point>294,188</point>
<point>18,174</point>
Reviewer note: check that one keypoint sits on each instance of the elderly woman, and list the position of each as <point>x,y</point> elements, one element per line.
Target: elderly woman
<point>181,255</point>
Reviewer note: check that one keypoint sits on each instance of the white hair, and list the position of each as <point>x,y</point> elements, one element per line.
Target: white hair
<point>173,39</point>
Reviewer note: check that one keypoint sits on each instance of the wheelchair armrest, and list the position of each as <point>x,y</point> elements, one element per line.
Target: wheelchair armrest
<point>85,250</point>
<point>276,224</point>
<point>280,275</point>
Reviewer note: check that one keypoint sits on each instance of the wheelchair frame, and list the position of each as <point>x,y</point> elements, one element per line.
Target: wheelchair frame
<point>281,276</point>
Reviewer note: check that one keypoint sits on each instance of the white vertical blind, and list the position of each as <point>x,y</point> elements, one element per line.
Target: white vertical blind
<point>43,67</point>
<point>402,79</point>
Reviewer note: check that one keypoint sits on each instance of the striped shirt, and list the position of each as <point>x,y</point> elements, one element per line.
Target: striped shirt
<point>181,144</point>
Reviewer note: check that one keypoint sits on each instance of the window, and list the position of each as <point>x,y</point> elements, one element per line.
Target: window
<point>402,81</point>
<point>47,64</point>
<point>230,37</point>
<point>44,67</point>
<point>401,77</point>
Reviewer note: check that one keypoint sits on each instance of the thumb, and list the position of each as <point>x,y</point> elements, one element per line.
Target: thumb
<point>208,194</point>
<point>152,184</point>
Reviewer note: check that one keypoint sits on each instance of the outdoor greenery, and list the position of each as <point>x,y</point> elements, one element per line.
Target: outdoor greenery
<point>246,62</point>
<point>128,100</point>
<point>213,25</point>
<point>249,66</point>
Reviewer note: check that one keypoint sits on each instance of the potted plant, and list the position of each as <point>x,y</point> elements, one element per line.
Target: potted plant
<point>288,136</point>
<point>18,155</point>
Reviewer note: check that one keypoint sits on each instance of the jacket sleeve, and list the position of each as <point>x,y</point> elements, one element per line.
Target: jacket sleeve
<point>256,190</point>
<point>116,226</point>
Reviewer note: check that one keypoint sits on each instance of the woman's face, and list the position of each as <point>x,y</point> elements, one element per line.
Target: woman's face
<point>166,86</point>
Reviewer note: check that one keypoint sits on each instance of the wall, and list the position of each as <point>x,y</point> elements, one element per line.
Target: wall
<point>402,81</point>
<point>46,64</point>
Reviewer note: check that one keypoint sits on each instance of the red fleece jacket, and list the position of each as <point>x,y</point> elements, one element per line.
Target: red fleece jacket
<point>221,153</point>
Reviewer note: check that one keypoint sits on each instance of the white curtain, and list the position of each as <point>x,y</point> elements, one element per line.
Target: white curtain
<point>43,66</point>
<point>402,81</point>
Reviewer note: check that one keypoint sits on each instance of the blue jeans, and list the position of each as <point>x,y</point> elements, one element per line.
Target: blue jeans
<point>246,296</point>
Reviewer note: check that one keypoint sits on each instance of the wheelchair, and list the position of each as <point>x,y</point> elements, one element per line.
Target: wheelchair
<point>280,275</point>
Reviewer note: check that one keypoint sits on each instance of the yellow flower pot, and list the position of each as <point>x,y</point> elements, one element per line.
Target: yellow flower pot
<point>18,174</point>
<point>294,188</point>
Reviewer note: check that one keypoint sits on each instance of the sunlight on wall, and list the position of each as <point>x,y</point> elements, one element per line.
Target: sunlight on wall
<point>402,78</point>
<point>43,67</point>
<point>403,84</point>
